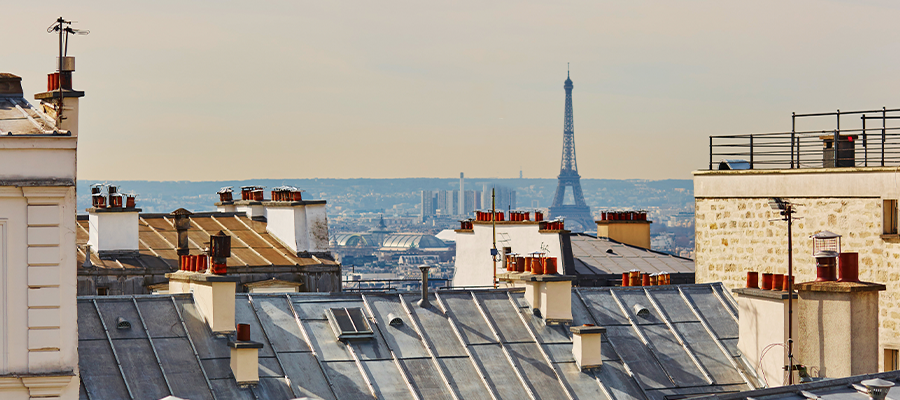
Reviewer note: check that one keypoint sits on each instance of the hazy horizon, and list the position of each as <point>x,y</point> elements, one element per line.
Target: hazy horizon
<point>231,90</point>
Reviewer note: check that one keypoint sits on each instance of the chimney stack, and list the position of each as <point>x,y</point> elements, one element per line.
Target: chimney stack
<point>838,327</point>
<point>628,227</point>
<point>113,228</point>
<point>586,344</point>
<point>244,357</point>
<point>301,225</point>
<point>59,87</point>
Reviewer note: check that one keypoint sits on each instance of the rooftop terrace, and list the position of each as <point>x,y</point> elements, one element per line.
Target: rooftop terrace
<point>872,144</point>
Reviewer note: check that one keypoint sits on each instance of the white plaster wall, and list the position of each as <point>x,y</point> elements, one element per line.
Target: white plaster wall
<point>14,283</point>
<point>317,222</point>
<point>474,266</point>
<point>288,225</point>
<point>763,322</point>
<point>35,163</point>
<point>113,231</point>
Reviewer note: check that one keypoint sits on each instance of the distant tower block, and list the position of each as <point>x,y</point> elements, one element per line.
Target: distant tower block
<point>462,194</point>
<point>578,215</point>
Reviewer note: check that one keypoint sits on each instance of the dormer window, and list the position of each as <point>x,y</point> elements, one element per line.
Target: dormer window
<point>349,323</point>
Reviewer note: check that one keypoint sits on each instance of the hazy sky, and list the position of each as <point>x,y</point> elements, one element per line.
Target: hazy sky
<point>216,90</point>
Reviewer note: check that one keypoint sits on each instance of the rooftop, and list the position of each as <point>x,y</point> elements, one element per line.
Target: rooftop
<point>251,245</point>
<point>849,388</point>
<point>17,115</point>
<point>601,256</point>
<point>870,142</point>
<point>470,344</point>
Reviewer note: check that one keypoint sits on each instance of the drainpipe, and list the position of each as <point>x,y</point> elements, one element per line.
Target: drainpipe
<point>424,302</point>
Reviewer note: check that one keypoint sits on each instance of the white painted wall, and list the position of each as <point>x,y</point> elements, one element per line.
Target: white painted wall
<point>474,266</point>
<point>38,325</point>
<point>288,225</point>
<point>113,231</point>
<point>254,210</point>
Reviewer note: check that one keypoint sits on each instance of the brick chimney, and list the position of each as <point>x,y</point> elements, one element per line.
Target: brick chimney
<point>628,227</point>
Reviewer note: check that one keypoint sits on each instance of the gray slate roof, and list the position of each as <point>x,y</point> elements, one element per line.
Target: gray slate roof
<point>601,256</point>
<point>473,344</point>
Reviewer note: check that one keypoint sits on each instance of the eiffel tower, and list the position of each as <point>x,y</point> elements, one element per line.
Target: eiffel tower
<point>578,215</point>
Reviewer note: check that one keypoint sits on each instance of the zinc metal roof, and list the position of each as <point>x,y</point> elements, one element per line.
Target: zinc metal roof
<point>595,255</point>
<point>849,388</point>
<point>470,344</point>
<point>251,245</point>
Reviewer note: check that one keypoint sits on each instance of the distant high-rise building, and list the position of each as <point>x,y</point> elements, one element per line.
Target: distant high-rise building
<point>505,197</point>
<point>427,203</point>
<point>472,200</point>
<point>461,206</point>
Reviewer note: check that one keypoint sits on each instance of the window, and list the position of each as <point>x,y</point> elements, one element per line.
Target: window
<point>102,291</point>
<point>890,360</point>
<point>890,217</point>
<point>349,323</point>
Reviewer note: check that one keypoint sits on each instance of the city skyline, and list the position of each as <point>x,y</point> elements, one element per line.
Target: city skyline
<point>344,90</point>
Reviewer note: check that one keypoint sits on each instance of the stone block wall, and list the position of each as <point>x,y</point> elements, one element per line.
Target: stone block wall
<point>736,235</point>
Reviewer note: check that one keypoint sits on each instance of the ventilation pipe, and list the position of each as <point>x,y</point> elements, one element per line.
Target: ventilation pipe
<point>424,301</point>
<point>182,224</point>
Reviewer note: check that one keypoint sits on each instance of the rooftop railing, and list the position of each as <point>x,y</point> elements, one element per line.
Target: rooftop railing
<point>875,144</point>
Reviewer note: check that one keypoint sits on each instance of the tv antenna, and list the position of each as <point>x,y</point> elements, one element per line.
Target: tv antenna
<point>64,29</point>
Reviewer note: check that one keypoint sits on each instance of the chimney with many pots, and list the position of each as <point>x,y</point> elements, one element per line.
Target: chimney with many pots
<point>628,227</point>
<point>113,222</point>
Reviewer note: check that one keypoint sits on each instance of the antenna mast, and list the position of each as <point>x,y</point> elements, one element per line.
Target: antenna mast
<point>64,29</point>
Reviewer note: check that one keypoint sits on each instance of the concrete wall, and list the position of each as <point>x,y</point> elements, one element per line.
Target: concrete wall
<point>734,233</point>
<point>474,266</point>
<point>838,332</point>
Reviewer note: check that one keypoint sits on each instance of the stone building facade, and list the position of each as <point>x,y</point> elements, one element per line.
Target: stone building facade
<point>737,231</point>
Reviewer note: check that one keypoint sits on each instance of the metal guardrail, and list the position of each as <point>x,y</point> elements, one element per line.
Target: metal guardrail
<point>867,146</point>
<point>386,284</point>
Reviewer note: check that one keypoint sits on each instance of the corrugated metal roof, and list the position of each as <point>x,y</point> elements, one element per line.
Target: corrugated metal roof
<point>604,256</point>
<point>469,344</point>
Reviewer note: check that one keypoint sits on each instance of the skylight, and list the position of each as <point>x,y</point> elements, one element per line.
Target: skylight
<point>349,323</point>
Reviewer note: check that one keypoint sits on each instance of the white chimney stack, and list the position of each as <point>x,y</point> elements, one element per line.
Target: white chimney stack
<point>586,345</point>
<point>244,357</point>
<point>113,231</point>
<point>301,226</point>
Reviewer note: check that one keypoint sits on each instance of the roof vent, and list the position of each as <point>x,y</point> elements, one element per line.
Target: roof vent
<point>641,311</point>
<point>122,323</point>
<point>878,388</point>
<point>349,323</point>
<point>394,320</point>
